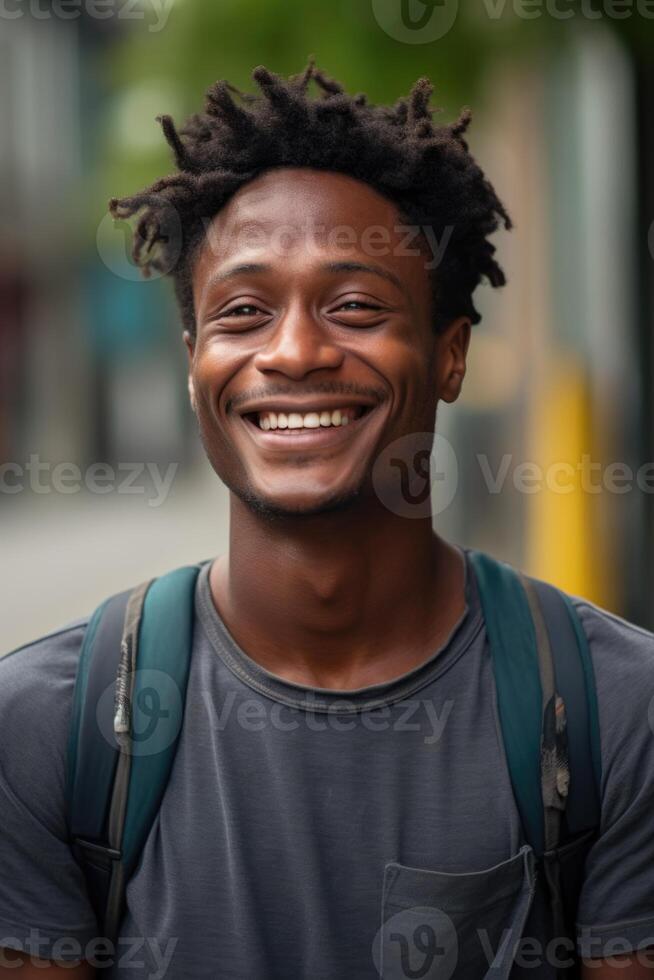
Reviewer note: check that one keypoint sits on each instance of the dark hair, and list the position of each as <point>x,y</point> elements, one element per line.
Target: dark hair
<point>425,169</point>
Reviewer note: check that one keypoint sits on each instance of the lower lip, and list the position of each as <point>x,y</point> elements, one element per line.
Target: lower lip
<point>289,439</point>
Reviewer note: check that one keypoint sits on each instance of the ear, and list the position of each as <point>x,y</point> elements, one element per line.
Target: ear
<point>189,340</point>
<point>451,358</point>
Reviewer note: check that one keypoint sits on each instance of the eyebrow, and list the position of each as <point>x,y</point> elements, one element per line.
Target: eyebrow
<point>247,268</point>
<point>238,270</point>
<point>375,270</point>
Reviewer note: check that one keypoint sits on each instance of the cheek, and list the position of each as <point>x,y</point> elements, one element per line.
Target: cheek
<point>213,370</point>
<point>407,365</point>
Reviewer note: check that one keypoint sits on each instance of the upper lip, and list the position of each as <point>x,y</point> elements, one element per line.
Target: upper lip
<point>318,404</point>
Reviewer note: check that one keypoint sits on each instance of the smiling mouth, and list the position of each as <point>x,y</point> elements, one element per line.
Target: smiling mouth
<point>290,424</point>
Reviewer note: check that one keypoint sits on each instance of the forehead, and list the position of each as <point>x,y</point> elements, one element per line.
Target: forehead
<point>316,195</point>
<point>299,212</point>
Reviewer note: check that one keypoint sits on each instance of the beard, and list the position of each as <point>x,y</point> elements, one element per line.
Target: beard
<point>264,507</point>
<point>270,510</point>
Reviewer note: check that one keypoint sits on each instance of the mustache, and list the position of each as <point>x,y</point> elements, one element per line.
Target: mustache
<point>313,388</point>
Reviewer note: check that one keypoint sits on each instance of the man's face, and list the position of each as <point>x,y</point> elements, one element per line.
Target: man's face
<point>310,312</point>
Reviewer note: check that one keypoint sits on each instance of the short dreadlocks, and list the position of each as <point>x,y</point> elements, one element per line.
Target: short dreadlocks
<point>426,170</point>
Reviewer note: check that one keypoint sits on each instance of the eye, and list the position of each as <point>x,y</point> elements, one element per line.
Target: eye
<point>357,304</point>
<point>239,317</point>
<point>245,309</point>
<point>358,313</point>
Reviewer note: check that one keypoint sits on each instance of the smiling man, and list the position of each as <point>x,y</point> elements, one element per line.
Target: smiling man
<point>340,803</point>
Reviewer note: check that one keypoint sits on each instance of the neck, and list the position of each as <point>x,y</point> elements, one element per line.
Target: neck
<point>338,600</point>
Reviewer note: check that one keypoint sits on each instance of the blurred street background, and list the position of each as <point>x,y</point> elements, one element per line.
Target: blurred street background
<point>92,365</point>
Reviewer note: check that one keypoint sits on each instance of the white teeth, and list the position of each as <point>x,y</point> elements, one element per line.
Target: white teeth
<point>308,420</point>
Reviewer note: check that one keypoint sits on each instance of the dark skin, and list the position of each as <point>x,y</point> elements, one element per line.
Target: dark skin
<point>329,588</point>
<point>323,584</point>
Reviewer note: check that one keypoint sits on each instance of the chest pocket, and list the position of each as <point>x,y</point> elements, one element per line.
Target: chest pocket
<point>437,925</point>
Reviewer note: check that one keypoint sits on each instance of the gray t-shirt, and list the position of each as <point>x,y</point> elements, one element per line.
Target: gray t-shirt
<point>307,833</point>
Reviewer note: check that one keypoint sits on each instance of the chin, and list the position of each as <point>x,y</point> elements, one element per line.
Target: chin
<point>297,505</point>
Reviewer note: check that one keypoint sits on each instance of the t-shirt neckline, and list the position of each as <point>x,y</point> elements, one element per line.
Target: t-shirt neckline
<point>333,700</point>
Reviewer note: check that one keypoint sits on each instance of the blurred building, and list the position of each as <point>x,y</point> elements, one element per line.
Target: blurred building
<point>561,369</point>
<point>92,366</point>
<point>67,310</point>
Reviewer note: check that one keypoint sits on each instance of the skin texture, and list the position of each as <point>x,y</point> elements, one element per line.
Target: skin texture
<point>628,967</point>
<point>13,964</point>
<point>323,584</point>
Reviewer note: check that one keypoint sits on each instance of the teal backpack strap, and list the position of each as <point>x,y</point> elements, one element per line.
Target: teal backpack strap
<point>547,708</point>
<point>570,758</point>
<point>512,642</point>
<point>126,721</point>
<point>575,685</point>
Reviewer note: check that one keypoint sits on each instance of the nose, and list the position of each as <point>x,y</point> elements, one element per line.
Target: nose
<point>298,345</point>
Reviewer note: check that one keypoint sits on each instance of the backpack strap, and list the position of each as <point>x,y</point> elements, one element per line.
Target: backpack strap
<point>573,687</point>
<point>514,653</point>
<point>540,652</point>
<point>570,753</point>
<point>547,706</point>
<point>133,666</point>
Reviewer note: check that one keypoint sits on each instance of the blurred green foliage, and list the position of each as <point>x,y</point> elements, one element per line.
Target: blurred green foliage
<point>168,71</point>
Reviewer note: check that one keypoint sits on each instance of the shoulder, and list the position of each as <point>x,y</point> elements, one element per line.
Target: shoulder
<point>37,683</point>
<point>622,656</point>
<point>42,891</point>
<point>44,667</point>
<point>606,628</point>
<point>622,652</point>
<point>616,897</point>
